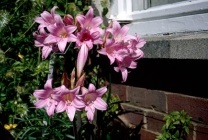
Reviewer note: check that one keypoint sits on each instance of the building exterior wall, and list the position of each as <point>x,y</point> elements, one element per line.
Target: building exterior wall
<point>152,105</point>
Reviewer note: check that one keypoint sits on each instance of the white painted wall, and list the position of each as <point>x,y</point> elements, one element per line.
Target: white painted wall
<point>185,16</point>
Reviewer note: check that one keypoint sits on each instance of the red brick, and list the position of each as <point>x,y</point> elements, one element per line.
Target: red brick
<point>152,99</point>
<point>156,99</point>
<point>202,132</point>
<point>131,119</point>
<point>197,108</point>
<point>155,121</point>
<point>136,114</point>
<point>119,90</point>
<point>190,135</point>
<point>147,135</point>
<point>137,95</point>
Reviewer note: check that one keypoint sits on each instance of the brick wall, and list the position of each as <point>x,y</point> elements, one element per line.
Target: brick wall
<point>152,105</point>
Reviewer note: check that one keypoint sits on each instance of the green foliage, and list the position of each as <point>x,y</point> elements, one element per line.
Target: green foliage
<point>104,4</point>
<point>40,126</point>
<point>22,70</point>
<point>176,126</point>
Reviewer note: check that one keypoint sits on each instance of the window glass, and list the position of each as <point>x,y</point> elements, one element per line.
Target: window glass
<point>152,3</point>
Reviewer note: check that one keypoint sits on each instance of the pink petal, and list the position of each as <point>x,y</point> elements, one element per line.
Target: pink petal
<point>100,104</point>
<point>61,107</point>
<point>46,16</point>
<point>39,20</point>
<point>132,65</point>
<point>50,39</point>
<point>40,103</point>
<point>62,44</point>
<point>46,51</point>
<point>53,10</point>
<point>102,51</point>
<point>124,30</point>
<point>91,87</point>
<point>40,94</point>
<point>59,22</point>
<point>70,29</point>
<point>50,108</point>
<point>90,112</point>
<point>81,59</point>
<point>90,13</point>
<point>72,38</point>
<point>124,73</point>
<point>48,84</point>
<point>95,35</point>
<point>89,44</point>
<point>101,91</point>
<point>97,21</point>
<point>70,112</point>
<point>111,58</point>
<point>84,90</point>
<point>80,19</point>
<point>116,69</point>
<point>75,90</point>
<point>38,44</point>
<point>78,103</point>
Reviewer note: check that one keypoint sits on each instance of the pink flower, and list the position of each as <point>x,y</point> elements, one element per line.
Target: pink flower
<point>60,34</point>
<point>89,21</point>
<point>119,33</point>
<point>93,100</point>
<point>69,101</point>
<point>85,41</point>
<point>68,20</point>
<point>127,62</point>
<point>45,98</point>
<point>123,49</point>
<point>88,35</point>
<point>39,42</point>
<point>46,19</point>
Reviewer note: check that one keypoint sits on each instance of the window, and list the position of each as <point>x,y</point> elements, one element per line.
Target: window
<point>161,16</point>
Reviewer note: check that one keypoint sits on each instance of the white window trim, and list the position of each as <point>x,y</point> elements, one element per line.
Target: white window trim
<point>177,17</point>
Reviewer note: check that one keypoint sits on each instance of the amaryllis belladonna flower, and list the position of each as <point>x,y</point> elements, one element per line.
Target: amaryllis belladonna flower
<point>60,34</point>
<point>69,101</point>
<point>45,98</point>
<point>92,99</point>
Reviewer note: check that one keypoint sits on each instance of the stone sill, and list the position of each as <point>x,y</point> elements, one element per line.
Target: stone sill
<point>191,45</point>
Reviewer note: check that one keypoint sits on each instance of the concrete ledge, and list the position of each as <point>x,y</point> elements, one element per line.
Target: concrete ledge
<point>192,45</point>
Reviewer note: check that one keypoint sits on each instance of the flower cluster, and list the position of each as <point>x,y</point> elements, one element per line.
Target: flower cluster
<point>56,32</point>
<point>62,99</point>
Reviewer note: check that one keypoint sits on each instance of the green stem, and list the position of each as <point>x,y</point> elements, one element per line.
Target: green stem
<point>109,94</point>
<point>28,28</point>
<point>77,125</point>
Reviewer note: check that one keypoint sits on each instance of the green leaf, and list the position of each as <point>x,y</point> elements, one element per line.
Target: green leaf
<point>186,130</point>
<point>104,12</point>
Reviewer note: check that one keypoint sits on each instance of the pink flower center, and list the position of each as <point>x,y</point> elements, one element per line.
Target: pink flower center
<point>85,36</point>
<point>68,98</point>
<point>89,98</point>
<point>63,33</point>
<point>110,50</point>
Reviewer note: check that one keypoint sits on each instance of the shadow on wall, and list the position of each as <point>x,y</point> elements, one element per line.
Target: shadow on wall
<point>183,76</point>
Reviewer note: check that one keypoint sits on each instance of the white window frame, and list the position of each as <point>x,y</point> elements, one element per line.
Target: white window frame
<point>182,16</point>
